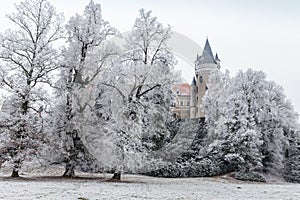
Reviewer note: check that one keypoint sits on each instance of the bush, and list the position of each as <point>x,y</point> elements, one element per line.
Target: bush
<point>248,175</point>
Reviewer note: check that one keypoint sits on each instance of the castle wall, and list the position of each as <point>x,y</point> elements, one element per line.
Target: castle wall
<point>182,107</point>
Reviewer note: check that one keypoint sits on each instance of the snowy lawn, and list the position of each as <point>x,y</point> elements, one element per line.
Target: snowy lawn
<point>143,187</point>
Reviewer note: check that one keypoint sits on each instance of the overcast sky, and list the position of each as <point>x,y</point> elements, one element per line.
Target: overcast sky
<point>261,34</point>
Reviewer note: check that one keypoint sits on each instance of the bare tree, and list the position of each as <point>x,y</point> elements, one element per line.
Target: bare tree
<point>84,59</point>
<point>28,57</point>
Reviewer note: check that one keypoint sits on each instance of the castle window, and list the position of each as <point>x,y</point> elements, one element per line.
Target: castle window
<point>175,115</point>
<point>188,103</point>
<point>177,92</point>
<point>201,79</point>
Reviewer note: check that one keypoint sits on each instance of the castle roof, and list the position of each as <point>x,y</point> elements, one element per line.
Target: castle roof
<point>217,57</point>
<point>207,55</point>
<point>194,81</point>
<point>207,50</point>
<point>181,89</point>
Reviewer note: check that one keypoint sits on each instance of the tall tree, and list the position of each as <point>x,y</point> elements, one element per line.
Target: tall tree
<point>140,86</point>
<point>84,59</point>
<point>28,57</point>
<point>214,104</point>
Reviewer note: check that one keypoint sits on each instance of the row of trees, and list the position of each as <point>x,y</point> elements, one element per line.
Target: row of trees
<point>250,128</point>
<point>73,96</point>
<point>72,93</point>
<point>251,119</point>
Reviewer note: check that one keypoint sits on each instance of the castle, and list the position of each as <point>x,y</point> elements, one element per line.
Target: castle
<point>188,103</point>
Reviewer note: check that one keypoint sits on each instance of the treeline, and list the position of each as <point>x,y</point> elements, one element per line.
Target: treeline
<point>74,96</point>
<point>250,129</point>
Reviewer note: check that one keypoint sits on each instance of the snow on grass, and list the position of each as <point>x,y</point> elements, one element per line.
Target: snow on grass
<point>38,185</point>
<point>142,187</point>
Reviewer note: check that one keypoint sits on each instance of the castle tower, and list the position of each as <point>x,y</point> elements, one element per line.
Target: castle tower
<point>204,66</point>
<point>193,105</point>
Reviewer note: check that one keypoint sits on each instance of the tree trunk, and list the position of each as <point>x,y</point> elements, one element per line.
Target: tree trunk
<point>116,176</point>
<point>69,170</point>
<point>15,173</point>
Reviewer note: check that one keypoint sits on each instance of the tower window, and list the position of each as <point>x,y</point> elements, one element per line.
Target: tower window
<point>201,79</point>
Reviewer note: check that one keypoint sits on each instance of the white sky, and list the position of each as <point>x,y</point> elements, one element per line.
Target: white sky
<point>263,35</point>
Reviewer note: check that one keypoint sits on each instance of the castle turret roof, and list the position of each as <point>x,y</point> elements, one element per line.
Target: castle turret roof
<point>194,81</point>
<point>207,55</point>
<point>217,57</point>
<point>207,49</point>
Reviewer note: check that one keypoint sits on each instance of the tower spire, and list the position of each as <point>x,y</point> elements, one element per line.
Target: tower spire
<point>217,57</point>
<point>207,49</point>
<point>207,55</point>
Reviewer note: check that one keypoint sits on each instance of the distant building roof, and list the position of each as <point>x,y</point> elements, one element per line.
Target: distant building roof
<point>181,89</point>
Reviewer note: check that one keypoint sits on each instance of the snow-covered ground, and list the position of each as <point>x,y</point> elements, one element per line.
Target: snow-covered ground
<point>143,187</point>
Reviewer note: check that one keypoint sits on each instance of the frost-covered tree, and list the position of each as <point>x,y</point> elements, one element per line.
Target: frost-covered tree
<point>292,163</point>
<point>28,57</point>
<point>140,90</point>
<point>214,104</point>
<point>84,59</point>
<point>242,107</point>
<point>257,124</point>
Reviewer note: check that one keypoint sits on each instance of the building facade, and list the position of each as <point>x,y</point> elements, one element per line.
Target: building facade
<point>188,104</point>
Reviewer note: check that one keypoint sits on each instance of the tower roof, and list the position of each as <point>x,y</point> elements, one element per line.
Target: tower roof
<point>217,57</point>
<point>207,49</point>
<point>194,81</point>
<point>207,55</point>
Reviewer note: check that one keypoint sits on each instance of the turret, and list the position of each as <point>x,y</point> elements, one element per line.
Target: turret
<point>217,60</point>
<point>205,64</point>
<point>206,61</point>
<point>193,96</point>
